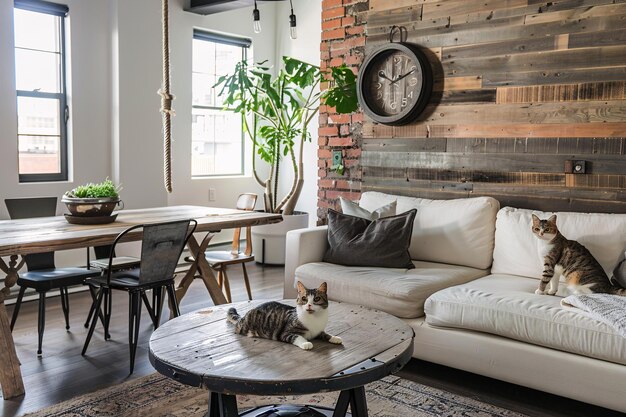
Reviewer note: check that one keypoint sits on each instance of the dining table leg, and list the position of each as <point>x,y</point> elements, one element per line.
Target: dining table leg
<point>205,272</point>
<point>10,373</point>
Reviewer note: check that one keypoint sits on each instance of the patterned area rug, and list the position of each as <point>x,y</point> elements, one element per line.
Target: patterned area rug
<point>156,395</point>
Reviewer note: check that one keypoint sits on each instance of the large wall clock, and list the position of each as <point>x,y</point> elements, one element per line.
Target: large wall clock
<point>395,82</point>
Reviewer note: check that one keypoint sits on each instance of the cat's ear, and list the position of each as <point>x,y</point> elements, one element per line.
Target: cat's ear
<point>552,219</point>
<point>323,288</point>
<point>535,220</point>
<point>301,288</point>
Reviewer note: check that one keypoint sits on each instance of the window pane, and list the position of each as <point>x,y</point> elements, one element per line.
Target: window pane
<point>203,89</point>
<point>203,56</point>
<point>216,143</point>
<point>39,154</point>
<point>36,30</point>
<point>226,57</point>
<point>37,71</point>
<point>38,116</point>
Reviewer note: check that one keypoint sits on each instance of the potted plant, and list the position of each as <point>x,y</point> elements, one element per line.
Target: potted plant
<point>276,112</point>
<point>93,200</point>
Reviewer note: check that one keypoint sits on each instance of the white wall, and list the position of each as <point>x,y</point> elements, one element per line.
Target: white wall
<point>306,48</point>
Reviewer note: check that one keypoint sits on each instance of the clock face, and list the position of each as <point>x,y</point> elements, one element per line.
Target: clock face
<point>395,83</point>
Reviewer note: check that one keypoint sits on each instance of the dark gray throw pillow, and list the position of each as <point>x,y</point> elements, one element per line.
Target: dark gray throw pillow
<point>355,241</point>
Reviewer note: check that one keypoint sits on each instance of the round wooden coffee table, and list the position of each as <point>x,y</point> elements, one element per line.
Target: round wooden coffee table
<point>201,349</point>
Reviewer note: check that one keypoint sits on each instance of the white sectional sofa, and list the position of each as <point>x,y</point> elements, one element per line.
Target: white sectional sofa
<point>470,298</point>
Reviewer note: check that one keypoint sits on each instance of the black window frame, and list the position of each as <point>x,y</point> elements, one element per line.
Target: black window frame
<point>61,11</point>
<point>245,44</point>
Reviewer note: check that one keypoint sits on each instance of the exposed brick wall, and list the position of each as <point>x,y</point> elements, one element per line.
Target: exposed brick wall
<point>343,41</point>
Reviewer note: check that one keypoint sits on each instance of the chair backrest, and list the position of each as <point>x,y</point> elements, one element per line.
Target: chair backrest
<point>247,202</point>
<point>161,247</point>
<point>26,208</point>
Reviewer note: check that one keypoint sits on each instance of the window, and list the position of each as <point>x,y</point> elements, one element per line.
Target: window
<point>217,135</point>
<point>42,109</point>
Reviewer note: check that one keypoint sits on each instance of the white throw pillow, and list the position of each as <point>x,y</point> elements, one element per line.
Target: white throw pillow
<point>516,252</point>
<point>353,209</point>
<point>458,232</point>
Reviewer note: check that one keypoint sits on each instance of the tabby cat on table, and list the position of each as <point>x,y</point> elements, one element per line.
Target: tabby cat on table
<point>568,258</point>
<point>297,325</point>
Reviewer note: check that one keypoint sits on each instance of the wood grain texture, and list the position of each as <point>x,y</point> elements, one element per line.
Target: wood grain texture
<point>20,237</point>
<point>10,373</point>
<point>203,343</point>
<point>610,90</point>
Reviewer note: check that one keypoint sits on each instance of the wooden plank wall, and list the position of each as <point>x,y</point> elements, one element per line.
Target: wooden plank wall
<point>522,86</point>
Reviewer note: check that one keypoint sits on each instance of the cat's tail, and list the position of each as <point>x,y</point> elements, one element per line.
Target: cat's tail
<point>233,317</point>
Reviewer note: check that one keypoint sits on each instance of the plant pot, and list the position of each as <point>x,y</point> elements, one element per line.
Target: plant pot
<point>91,207</point>
<point>268,241</point>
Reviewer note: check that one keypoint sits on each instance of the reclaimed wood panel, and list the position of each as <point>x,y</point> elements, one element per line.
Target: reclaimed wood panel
<point>561,76</point>
<point>502,162</point>
<point>503,29</point>
<point>522,86</point>
<point>611,90</point>
<point>423,130</point>
<point>606,56</point>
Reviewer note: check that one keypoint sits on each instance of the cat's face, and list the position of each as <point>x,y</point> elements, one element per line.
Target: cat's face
<point>311,301</point>
<point>545,229</point>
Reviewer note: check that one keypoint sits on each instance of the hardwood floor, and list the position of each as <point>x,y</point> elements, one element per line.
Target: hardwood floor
<point>62,373</point>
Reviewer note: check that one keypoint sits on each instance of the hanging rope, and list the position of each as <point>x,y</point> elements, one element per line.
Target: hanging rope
<point>166,101</point>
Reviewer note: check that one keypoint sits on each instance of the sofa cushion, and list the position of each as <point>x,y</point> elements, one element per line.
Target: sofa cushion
<point>506,305</point>
<point>400,292</point>
<point>516,252</point>
<point>353,209</point>
<point>456,232</point>
<point>360,242</point>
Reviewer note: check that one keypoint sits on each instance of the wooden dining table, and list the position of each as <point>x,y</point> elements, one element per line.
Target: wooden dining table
<point>47,234</point>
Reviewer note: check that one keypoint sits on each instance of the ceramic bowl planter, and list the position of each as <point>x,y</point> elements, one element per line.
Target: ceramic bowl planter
<point>92,207</point>
<point>92,203</point>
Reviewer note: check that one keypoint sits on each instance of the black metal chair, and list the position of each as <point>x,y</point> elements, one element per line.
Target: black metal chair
<point>42,274</point>
<point>102,263</point>
<point>162,245</point>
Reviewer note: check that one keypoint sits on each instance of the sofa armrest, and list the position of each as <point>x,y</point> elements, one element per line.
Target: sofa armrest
<point>302,246</point>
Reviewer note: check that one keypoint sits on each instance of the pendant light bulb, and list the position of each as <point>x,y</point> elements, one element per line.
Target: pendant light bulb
<point>256,16</point>
<point>293,33</point>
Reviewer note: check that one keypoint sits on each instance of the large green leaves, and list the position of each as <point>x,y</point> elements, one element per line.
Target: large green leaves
<point>342,95</point>
<point>277,108</point>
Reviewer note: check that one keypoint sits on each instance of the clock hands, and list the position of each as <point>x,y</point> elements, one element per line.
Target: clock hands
<point>398,78</point>
<point>382,74</point>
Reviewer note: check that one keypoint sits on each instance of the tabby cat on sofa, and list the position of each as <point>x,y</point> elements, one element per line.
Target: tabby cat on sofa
<point>297,325</point>
<point>560,256</point>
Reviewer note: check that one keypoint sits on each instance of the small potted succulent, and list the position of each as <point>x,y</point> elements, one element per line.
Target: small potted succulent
<point>93,200</point>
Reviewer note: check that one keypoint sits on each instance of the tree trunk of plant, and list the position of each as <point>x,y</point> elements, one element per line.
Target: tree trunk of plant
<point>293,199</point>
<point>268,197</point>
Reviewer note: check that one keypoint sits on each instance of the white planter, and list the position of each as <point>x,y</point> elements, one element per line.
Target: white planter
<point>268,241</point>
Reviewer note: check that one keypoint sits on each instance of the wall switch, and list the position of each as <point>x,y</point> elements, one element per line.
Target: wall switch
<point>575,167</point>
<point>211,194</point>
<point>336,159</point>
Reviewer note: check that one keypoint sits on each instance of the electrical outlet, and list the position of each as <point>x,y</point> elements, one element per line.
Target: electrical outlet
<point>211,194</point>
<point>336,159</point>
<point>575,167</point>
